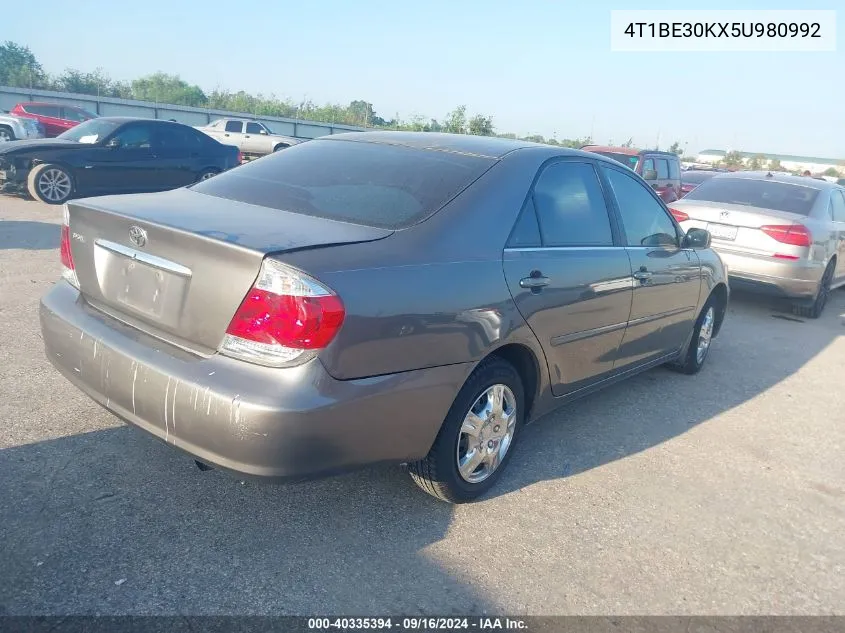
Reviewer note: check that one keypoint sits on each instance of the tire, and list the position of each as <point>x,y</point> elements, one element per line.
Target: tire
<point>39,187</point>
<point>6,134</point>
<point>815,309</point>
<point>706,322</point>
<point>438,473</point>
<point>206,174</point>
<point>280,146</point>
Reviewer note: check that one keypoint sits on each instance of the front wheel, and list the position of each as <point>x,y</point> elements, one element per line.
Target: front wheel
<point>476,439</point>
<point>6,135</point>
<point>280,146</point>
<point>50,183</point>
<point>206,174</point>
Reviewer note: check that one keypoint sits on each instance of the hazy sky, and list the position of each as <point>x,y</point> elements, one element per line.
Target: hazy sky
<point>535,66</point>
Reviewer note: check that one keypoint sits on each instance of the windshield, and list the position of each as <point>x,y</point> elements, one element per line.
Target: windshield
<point>372,184</point>
<point>763,194</point>
<point>92,131</point>
<point>628,160</point>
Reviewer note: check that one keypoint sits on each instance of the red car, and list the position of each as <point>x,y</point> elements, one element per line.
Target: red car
<point>661,170</point>
<point>54,117</point>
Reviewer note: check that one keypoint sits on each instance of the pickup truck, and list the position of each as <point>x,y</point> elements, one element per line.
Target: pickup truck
<point>251,137</point>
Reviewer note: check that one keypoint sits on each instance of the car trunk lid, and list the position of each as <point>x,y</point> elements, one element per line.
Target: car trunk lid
<point>178,264</point>
<point>736,226</point>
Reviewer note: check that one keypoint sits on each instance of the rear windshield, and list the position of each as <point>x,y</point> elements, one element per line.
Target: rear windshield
<point>373,184</point>
<point>765,194</point>
<point>696,177</point>
<point>626,159</point>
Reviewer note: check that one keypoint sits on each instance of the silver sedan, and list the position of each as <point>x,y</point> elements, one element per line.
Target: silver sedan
<point>779,234</point>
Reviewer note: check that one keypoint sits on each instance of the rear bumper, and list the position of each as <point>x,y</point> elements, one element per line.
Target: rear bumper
<point>793,279</point>
<point>292,423</point>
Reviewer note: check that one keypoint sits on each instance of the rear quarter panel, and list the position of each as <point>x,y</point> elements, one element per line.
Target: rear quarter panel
<point>434,294</point>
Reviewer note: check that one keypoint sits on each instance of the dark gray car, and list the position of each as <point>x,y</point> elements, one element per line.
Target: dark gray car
<point>377,297</point>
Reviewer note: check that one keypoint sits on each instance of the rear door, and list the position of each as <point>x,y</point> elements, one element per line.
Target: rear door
<point>50,118</point>
<point>177,152</point>
<point>569,274</point>
<point>837,211</point>
<point>130,167</point>
<point>233,134</point>
<point>667,278</point>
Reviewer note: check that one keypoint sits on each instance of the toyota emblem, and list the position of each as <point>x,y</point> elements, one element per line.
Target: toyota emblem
<point>137,236</point>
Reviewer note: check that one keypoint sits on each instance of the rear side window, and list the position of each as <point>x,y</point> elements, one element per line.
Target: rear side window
<point>373,184</point>
<point>178,137</point>
<point>526,232</point>
<point>837,206</point>
<point>674,169</point>
<point>234,126</point>
<point>570,206</point>
<point>44,110</point>
<point>662,168</point>
<point>764,194</point>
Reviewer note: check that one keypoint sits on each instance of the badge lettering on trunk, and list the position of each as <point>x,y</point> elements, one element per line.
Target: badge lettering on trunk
<point>137,236</point>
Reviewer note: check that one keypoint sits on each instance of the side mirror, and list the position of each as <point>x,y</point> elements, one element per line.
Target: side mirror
<point>113,143</point>
<point>697,238</point>
<point>263,131</point>
<point>650,174</point>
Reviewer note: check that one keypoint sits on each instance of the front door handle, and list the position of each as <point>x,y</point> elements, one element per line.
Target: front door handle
<point>534,282</point>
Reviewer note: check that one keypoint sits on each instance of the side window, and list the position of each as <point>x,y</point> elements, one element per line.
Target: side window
<point>674,169</point>
<point>69,114</point>
<point>645,221</point>
<point>648,165</point>
<point>662,168</point>
<point>526,231</point>
<point>234,126</point>
<point>138,136</point>
<point>837,206</point>
<point>177,137</point>
<point>253,128</point>
<point>570,206</point>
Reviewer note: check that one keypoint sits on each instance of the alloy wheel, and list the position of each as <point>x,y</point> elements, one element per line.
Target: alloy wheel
<point>486,433</point>
<point>705,335</point>
<point>54,185</point>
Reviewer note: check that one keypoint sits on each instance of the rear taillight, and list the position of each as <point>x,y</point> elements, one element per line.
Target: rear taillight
<point>680,216</point>
<point>68,269</point>
<point>793,234</point>
<point>284,319</point>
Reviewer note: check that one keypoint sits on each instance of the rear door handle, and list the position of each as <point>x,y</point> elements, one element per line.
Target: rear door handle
<point>534,282</point>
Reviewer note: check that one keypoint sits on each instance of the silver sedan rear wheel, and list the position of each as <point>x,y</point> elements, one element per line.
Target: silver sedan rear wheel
<point>486,433</point>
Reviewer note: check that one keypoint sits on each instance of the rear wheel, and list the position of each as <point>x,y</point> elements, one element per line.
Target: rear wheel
<point>50,183</point>
<point>815,309</point>
<point>475,441</point>
<point>206,174</point>
<point>6,134</point>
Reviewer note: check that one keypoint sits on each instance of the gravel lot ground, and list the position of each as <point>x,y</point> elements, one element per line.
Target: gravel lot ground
<point>722,493</point>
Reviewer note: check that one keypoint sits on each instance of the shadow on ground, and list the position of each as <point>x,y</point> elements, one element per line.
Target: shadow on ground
<point>28,235</point>
<point>114,522</point>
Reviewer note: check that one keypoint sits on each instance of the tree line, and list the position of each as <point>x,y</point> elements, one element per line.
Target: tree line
<point>20,68</point>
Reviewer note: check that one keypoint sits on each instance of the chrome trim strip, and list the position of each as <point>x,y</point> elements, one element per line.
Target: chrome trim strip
<point>530,249</point>
<point>152,260</point>
<point>662,315</point>
<point>562,339</point>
